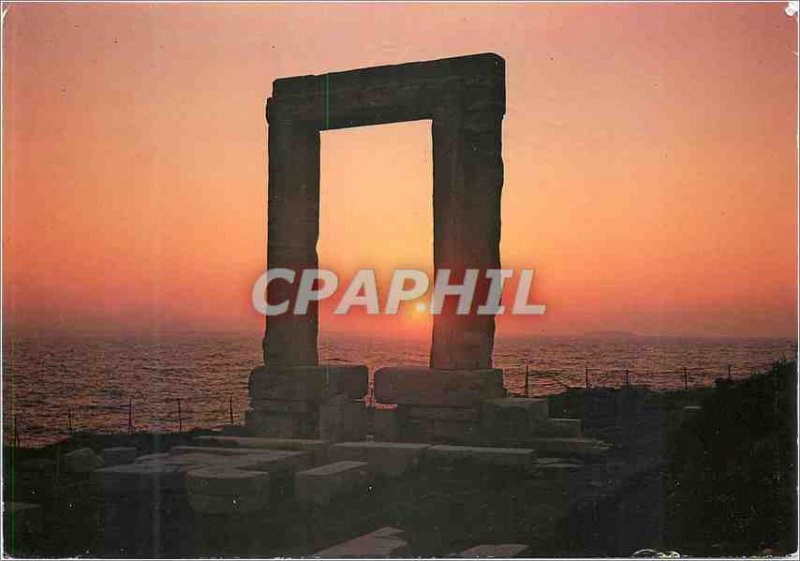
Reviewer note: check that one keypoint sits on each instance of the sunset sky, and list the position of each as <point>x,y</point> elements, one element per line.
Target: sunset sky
<point>649,161</point>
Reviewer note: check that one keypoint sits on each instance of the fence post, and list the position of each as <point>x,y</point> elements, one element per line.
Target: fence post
<point>685,379</point>
<point>130,415</point>
<point>627,380</point>
<point>69,419</point>
<point>729,372</point>
<point>16,433</point>
<point>230,407</point>
<point>180,417</point>
<point>527,383</point>
<point>587,377</point>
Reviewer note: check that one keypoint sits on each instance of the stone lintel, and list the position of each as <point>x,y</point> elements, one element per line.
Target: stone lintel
<point>437,388</point>
<point>388,94</point>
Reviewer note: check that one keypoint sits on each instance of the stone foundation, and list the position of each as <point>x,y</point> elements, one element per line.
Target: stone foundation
<point>434,405</point>
<point>308,402</point>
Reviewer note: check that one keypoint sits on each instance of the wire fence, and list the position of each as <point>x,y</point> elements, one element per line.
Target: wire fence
<point>525,381</point>
<point>520,380</point>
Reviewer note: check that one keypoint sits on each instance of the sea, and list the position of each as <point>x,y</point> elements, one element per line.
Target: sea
<point>56,385</point>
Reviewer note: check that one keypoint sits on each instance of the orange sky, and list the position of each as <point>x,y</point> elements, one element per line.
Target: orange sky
<point>649,155</point>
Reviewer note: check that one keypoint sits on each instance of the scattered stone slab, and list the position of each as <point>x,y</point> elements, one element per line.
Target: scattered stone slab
<point>437,388</point>
<point>317,447</point>
<point>380,544</point>
<point>227,482</point>
<point>558,428</point>
<point>385,458</point>
<point>507,457</point>
<point>569,447</point>
<point>218,450</point>
<point>275,461</point>
<point>225,504</point>
<point>119,455</point>
<point>152,457</point>
<point>82,460</point>
<point>138,478</point>
<point>319,485</point>
<point>501,551</point>
<point>315,384</point>
<point>557,465</point>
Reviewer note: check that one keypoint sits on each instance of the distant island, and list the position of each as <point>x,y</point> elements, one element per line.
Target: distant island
<point>610,334</point>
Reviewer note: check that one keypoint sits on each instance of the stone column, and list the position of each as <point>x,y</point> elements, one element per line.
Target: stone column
<point>292,233</point>
<point>467,183</point>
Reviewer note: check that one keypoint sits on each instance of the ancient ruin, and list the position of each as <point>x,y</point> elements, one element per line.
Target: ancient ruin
<point>464,98</point>
<point>292,395</point>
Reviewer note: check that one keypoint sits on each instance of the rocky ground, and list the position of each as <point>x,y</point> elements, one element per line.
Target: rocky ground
<point>714,480</point>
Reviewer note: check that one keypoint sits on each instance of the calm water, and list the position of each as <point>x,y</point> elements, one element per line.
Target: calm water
<point>94,378</point>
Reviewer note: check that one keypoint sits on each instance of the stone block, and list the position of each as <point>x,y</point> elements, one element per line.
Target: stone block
<point>138,478</point>
<point>437,388</point>
<point>506,457</point>
<point>254,459</point>
<point>558,428</point>
<point>380,544</point>
<point>511,408</point>
<point>471,414</point>
<point>467,432</point>
<point>342,419</point>
<point>313,384</point>
<point>318,448</point>
<point>82,460</point>
<point>512,419</point>
<point>276,461</point>
<point>385,424</point>
<point>282,406</point>
<point>319,485</point>
<point>227,482</point>
<point>385,458</point>
<point>281,425</point>
<point>119,455</point>
<point>152,457</point>
<point>225,504</point>
<point>500,551</point>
